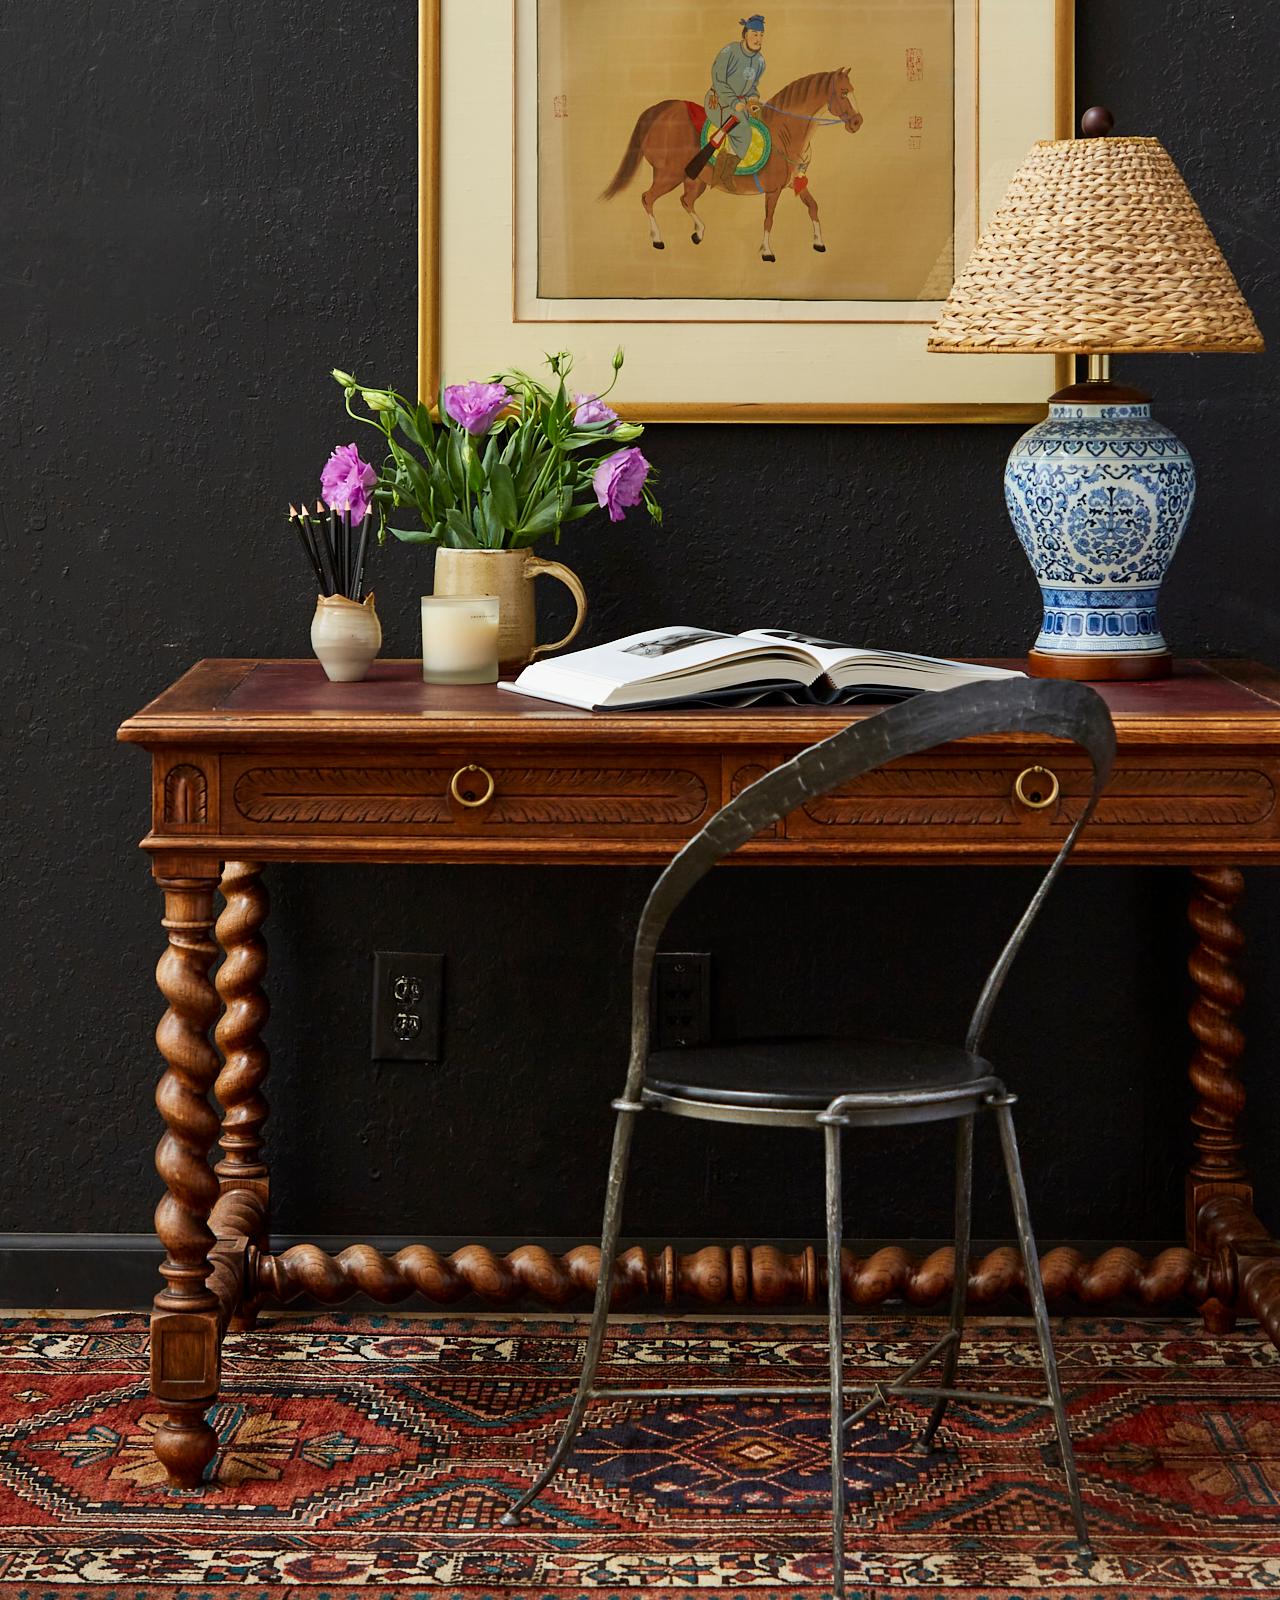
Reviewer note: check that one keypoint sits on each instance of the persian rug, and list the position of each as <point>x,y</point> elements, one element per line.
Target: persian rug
<point>378,1453</point>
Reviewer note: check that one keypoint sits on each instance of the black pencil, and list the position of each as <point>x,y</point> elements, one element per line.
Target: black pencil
<point>326,555</point>
<point>339,562</point>
<point>357,588</point>
<point>348,574</point>
<point>304,533</point>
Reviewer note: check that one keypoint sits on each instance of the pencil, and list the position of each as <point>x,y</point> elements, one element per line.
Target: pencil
<point>326,555</point>
<point>304,533</point>
<point>335,544</point>
<point>357,588</point>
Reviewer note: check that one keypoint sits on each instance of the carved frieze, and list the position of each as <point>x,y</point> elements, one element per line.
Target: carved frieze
<point>186,797</point>
<point>1175,797</point>
<point>920,796</point>
<point>983,797</point>
<point>523,796</point>
<point>743,778</point>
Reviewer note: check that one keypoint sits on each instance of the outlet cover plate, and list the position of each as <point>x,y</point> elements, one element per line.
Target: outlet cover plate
<point>408,1000</point>
<point>681,1014</point>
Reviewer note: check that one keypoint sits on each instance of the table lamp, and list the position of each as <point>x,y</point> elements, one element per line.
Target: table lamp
<point>1097,248</point>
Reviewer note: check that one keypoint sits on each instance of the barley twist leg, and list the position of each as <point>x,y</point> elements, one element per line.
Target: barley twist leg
<point>185,1329</point>
<point>1218,1165</point>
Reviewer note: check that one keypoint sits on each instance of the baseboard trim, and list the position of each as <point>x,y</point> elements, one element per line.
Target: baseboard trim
<point>118,1271</point>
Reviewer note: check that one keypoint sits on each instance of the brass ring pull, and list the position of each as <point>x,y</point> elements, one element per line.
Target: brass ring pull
<point>1041,794</point>
<point>460,797</point>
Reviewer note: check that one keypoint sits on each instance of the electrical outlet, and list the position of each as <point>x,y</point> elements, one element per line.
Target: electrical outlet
<point>681,999</point>
<point>408,999</point>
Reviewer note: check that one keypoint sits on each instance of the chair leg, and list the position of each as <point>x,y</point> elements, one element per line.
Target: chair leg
<point>600,1314</point>
<point>1039,1310</point>
<point>835,1352</point>
<point>960,1288</point>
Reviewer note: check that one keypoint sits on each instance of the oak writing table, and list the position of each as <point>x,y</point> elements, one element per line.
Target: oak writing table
<point>258,761</point>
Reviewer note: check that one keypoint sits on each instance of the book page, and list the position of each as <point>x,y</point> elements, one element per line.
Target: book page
<point>846,664</point>
<point>672,652</point>
<point>826,652</point>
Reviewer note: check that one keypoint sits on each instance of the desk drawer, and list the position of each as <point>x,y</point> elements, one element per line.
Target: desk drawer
<point>975,797</point>
<point>479,792</point>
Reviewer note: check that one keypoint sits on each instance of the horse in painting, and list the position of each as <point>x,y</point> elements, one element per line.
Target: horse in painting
<point>668,137</point>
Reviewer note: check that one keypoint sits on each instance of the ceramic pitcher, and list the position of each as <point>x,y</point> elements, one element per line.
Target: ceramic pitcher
<point>346,635</point>
<point>509,574</point>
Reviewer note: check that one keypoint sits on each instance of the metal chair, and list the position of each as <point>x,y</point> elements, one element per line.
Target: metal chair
<point>834,1084</point>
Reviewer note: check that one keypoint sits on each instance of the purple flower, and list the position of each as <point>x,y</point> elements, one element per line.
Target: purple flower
<point>474,406</point>
<point>346,481</point>
<point>619,480</point>
<point>591,411</point>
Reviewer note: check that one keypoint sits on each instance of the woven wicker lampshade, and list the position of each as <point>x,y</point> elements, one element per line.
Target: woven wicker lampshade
<point>1097,247</point>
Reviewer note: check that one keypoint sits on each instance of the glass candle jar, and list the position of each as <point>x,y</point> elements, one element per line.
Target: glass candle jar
<point>460,638</point>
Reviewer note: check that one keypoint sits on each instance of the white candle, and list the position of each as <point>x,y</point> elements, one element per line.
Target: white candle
<point>460,638</point>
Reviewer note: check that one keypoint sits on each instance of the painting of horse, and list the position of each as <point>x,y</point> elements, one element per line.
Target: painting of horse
<point>670,134</point>
<point>671,152</point>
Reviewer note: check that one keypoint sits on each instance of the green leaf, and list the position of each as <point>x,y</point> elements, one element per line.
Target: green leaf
<point>560,406</point>
<point>576,513</point>
<point>419,482</point>
<point>503,490</point>
<point>456,465</point>
<point>417,535</point>
<point>475,472</point>
<point>408,425</point>
<point>544,516</point>
<point>491,522</point>
<point>458,534</point>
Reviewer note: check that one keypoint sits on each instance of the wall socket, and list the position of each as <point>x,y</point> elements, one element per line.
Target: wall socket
<point>408,999</point>
<point>681,999</point>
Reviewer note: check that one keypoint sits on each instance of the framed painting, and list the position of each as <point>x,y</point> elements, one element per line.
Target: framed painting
<point>764,209</point>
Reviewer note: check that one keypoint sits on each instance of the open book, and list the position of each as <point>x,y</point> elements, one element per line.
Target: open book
<point>696,666</point>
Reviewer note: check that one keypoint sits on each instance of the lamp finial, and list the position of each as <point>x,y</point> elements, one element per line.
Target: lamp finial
<point>1097,122</point>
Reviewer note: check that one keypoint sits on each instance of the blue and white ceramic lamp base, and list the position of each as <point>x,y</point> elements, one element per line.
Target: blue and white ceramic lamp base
<point>1100,494</point>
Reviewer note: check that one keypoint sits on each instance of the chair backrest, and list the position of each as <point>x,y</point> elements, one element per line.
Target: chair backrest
<point>1064,710</point>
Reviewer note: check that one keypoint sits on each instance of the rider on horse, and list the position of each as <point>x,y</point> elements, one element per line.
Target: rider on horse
<point>735,80</point>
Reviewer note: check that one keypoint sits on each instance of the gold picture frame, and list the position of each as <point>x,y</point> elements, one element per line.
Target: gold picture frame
<point>470,325</point>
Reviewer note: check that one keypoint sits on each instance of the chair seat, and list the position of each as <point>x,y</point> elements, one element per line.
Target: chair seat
<point>803,1076</point>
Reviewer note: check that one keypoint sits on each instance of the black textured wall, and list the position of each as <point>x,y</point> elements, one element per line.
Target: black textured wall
<point>204,208</point>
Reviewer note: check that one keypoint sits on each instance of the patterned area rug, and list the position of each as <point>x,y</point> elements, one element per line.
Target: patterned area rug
<point>378,1454</point>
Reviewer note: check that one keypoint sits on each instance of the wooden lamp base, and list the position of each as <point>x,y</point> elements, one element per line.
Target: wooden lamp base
<point>1134,668</point>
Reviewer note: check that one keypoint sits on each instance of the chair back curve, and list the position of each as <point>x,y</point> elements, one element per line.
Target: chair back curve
<point>1058,708</point>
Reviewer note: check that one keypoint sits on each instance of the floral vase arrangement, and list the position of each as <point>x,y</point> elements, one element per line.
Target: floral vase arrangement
<point>508,462</point>
<point>345,632</point>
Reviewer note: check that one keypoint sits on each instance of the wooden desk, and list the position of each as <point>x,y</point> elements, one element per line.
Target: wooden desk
<point>266,761</point>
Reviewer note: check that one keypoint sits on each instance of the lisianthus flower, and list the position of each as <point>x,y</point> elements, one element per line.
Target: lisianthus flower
<point>476,406</point>
<point>619,482</point>
<point>346,482</point>
<point>590,411</point>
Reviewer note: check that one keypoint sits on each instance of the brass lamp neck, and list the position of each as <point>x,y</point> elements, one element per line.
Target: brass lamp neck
<point>1100,368</point>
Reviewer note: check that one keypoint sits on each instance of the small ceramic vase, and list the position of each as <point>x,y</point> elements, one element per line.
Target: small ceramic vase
<point>509,574</point>
<point>346,636</point>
